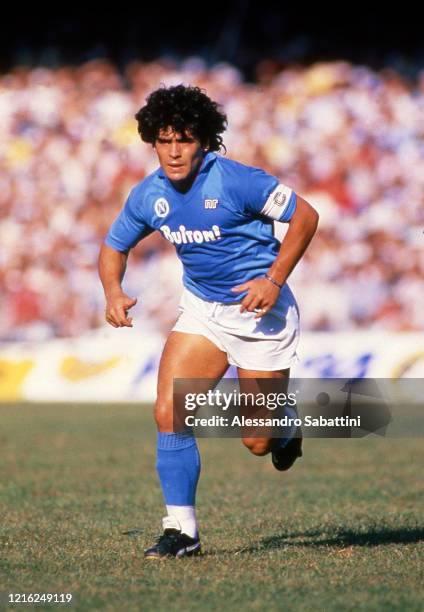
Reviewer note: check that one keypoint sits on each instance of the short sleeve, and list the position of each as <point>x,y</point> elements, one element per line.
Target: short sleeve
<point>129,227</point>
<point>267,196</point>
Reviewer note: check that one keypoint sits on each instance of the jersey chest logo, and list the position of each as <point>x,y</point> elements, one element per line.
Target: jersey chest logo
<point>161,207</point>
<point>211,204</point>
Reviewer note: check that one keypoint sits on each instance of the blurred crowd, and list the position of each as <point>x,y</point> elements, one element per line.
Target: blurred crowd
<point>346,138</point>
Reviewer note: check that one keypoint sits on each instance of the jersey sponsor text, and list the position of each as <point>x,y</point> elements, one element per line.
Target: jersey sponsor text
<point>185,236</point>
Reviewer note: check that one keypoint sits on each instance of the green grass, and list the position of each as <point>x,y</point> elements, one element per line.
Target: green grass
<point>343,530</point>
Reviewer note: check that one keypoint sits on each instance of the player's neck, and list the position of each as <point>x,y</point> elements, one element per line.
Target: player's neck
<point>184,185</point>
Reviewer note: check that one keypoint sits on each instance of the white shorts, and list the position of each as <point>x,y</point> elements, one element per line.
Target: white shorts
<point>266,344</point>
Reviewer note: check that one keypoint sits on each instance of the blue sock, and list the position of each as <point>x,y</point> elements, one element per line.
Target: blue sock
<point>178,467</point>
<point>288,432</point>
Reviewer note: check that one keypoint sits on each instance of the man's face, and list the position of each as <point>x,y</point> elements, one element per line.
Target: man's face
<point>180,156</point>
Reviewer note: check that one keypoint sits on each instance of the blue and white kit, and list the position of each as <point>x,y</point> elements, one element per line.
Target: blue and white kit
<point>222,229</point>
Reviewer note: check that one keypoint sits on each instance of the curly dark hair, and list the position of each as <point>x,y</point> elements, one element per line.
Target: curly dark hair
<point>182,108</point>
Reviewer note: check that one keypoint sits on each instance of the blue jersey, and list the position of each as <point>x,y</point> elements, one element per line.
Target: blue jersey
<point>222,228</point>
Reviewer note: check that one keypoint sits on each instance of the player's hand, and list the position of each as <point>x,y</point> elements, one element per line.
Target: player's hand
<point>117,306</point>
<point>260,298</point>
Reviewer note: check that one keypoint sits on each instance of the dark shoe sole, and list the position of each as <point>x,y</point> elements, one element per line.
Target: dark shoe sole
<point>191,553</point>
<point>283,458</point>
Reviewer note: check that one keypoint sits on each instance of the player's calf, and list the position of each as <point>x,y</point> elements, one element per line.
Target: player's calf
<point>258,446</point>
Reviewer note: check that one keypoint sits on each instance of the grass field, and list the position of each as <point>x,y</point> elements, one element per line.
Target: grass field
<point>343,530</point>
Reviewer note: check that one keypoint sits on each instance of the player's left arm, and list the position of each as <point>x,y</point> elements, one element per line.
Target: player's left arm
<point>262,292</point>
<point>302,227</point>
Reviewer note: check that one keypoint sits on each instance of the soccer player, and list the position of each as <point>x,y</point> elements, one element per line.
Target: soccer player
<point>236,307</point>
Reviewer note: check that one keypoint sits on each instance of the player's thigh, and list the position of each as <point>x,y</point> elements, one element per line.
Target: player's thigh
<point>186,356</point>
<point>250,382</point>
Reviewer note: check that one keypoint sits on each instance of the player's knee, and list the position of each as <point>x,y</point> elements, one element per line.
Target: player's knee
<point>163,415</point>
<point>258,446</point>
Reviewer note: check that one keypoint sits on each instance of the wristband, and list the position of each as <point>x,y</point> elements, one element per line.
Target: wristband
<point>274,282</point>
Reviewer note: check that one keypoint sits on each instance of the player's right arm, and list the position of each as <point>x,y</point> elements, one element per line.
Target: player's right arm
<point>112,265</point>
<point>126,231</point>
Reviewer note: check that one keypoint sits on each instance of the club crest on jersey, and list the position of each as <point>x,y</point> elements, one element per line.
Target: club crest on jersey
<point>280,198</point>
<point>161,207</point>
<point>211,204</point>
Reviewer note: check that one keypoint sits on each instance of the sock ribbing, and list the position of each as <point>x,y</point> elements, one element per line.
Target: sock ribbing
<point>175,441</point>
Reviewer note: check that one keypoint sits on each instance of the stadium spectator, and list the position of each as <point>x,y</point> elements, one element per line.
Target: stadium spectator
<point>345,137</point>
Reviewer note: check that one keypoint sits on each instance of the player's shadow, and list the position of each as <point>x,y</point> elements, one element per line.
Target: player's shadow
<point>342,538</point>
